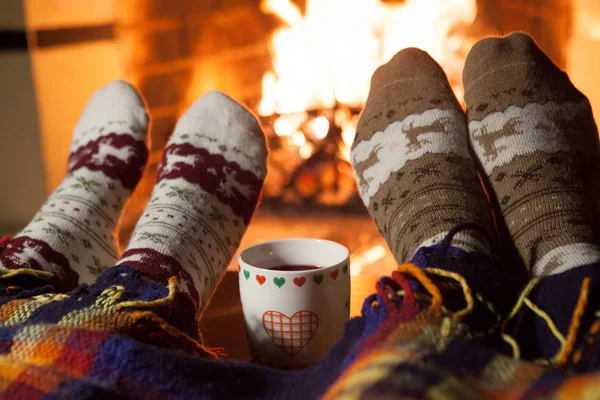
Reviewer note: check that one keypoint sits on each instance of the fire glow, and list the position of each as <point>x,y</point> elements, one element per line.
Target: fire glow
<point>326,57</point>
<point>323,59</point>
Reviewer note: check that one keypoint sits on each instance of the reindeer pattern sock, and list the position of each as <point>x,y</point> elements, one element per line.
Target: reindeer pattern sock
<point>534,134</point>
<point>208,186</point>
<point>72,235</point>
<point>412,161</point>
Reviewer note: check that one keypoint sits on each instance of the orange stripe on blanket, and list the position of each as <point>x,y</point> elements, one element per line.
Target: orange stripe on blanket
<point>8,310</point>
<point>582,387</point>
<point>50,345</point>
<point>9,371</point>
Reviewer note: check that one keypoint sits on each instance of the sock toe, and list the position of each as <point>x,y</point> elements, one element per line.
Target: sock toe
<point>493,51</point>
<point>496,66</point>
<point>117,103</point>
<point>240,138</point>
<point>220,107</point>
<point>408,64</point>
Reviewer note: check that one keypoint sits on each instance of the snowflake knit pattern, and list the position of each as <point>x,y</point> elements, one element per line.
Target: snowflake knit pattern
<point>71,238</point>
<point>208,186</point>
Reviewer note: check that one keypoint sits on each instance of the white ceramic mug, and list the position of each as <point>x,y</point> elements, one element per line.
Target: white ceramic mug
<point>294,317</point>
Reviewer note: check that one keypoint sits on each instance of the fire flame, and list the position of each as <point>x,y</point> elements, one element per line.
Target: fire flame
<point>327,56</point>
<point>323,59</point>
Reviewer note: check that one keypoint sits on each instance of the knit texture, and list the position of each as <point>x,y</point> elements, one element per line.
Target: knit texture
<point>534,135</point>
<point>125,337</point>
<point>412,161</point>
<point>208,185</point>
<point>71,239</point>
<point>417,344</point>
<point>420,336</point>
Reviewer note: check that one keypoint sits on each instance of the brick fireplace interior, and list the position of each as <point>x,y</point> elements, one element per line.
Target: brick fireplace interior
<point>173,51</point>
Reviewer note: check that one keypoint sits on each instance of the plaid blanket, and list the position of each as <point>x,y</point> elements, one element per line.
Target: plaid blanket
<point>451,325</point>
<point>114,340</point>
<point>431,341</point>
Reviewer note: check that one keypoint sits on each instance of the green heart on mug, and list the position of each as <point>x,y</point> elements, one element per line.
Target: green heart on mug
<point>345,268</point>
<point>279,281</point>
<point>318,279</point>
<point>246,274</point>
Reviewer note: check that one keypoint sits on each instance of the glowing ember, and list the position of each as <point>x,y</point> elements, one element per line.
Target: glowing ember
<point>318,127</point>
<point>328,55</point>
<point>306,151</point>
<point>298,139</point>
<point>284,127</point>
<point>323,60</point>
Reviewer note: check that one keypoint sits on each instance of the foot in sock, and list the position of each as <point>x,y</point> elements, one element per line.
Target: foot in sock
<point>208,185</point>
<point>72,235</point>
<point>412,161</point>
<point>534,135</point>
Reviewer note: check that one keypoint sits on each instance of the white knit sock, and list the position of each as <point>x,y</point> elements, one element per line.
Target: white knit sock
<point>208,185</point>
<point>72,235</point>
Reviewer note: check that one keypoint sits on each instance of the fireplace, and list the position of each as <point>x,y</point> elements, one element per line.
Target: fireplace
<point>303,66</point>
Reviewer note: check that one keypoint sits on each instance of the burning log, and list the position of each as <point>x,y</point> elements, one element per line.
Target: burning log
<point>323,56</point>
<point>309,163</point>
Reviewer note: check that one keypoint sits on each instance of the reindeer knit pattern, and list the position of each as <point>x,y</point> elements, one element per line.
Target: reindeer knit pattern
<point>71,237</point>
<point>208,186</point>
<point>534,134</point>
<point>412,161</point>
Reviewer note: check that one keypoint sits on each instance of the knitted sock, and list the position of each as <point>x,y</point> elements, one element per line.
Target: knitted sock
<point>208,185</point>
<point>412,160</point>
<point>535,136</point>
<point>72,235</point>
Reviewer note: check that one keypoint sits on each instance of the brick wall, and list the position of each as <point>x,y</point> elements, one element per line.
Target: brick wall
<point>22,186</point>
<point>177,50</point>
<point>548,21</point>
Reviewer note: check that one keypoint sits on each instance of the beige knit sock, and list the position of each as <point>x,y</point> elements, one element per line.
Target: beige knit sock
<point>535,136</point>
<point>411,158</point>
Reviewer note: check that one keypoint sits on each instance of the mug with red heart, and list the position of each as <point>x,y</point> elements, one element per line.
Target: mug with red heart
<point>295,299</point>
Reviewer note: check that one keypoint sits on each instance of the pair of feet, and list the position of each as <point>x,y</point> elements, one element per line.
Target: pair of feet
<point>527,130</point>
<point>532,134</point>
<point>209,181</point>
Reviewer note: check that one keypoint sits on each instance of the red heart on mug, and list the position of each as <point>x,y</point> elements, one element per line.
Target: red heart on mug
<point>299,281</point>
<point>260,279</point>
<point>333,274</point>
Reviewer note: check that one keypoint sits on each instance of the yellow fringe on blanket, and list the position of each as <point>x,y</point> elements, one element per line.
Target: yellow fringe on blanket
<point>155,303</point>
<point>562,357</point>
<point>566,343</point>
<point>9,273</point>
<point>419,274</point>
